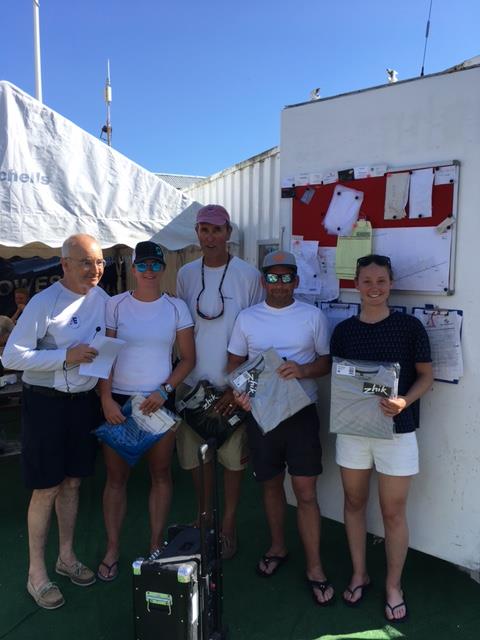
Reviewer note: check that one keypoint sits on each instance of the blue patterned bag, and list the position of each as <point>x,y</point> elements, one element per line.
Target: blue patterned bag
<point>127,439</point>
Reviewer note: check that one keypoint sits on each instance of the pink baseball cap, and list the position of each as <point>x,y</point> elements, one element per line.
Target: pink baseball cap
<point>213,214</point>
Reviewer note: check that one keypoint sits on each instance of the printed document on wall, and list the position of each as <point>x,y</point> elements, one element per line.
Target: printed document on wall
<point>421,186</point>
<point>343,210</point>
<point>420,257</point>
<point>305,252</point>
<point>350,248</point>
<point>338,311</point>
<point>396,195</point>
<point>444,332</point>
<point>316,269</point>
<point>446,175</point>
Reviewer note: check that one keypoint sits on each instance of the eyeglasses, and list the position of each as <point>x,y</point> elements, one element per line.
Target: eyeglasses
<point>141,267</point>
<point>202,315</point>
<point>374,258</point>
<point>89,264</point>
<point>273,278</point>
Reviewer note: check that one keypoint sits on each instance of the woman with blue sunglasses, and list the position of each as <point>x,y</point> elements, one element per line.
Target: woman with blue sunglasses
<point>150,323</point>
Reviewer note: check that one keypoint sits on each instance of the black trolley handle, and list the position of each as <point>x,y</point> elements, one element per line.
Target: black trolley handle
<point>217,574</point>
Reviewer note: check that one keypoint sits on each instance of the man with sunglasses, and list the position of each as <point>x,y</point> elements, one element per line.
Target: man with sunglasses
<point>299,333</point>
<point>216,288</point>
<point>59,407</point>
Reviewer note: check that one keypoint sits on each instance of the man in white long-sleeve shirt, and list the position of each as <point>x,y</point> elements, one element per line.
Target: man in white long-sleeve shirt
<point>59,407</point>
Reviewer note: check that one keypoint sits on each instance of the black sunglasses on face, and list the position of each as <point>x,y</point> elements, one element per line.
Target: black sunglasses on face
<point>374,258</point>
<point>273,278</point>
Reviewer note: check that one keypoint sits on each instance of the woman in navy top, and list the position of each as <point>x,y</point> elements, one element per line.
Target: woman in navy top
<point>381,336</point>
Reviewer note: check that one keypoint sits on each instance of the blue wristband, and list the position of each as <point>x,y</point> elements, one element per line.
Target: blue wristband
<point>162,392</point>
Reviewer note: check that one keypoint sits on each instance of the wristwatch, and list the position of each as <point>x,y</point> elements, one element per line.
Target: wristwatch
<point>168,388</point>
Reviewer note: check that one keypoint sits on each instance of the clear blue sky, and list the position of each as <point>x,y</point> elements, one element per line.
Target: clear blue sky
<point>200,85</point>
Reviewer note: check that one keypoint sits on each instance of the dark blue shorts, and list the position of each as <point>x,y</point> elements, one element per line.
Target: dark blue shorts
<point>56,437</point>
<point>295,444</point>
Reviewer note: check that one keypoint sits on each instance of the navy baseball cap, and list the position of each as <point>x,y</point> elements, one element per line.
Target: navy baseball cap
<point>148,250</point>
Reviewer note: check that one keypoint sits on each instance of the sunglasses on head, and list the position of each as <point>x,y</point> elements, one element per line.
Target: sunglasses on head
<point>374,258</point>
<point>141,267</point>
<point>273,278</point>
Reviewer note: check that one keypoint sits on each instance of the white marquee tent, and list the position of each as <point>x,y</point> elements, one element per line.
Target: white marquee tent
<point>56,180</point>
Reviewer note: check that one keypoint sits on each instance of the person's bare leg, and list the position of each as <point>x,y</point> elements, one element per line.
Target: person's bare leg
<point>232,481</point>
<point>66,507</point>
<point>393,492</point>
<point>38,521</point>
<point>308,522</point>
<point>204,500</point>
<point>159,459</point>
<point>114,506</point>
<point>274,502</point>
<point>356,487</point>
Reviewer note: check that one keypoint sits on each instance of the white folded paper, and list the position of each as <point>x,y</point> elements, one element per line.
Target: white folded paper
<point>159,422</point>
<point>108,349</point>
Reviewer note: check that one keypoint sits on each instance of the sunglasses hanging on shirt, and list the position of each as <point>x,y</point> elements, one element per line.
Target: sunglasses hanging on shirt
<point>219,315</point>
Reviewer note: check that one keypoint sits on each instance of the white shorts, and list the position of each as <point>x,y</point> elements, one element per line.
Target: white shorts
<point>397,457</point>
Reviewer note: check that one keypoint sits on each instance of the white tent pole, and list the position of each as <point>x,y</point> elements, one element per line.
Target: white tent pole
<point>36,50</point>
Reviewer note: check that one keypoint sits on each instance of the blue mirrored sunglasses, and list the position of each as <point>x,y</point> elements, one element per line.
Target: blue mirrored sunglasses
<point>143,266</point>
<point>273,278</point>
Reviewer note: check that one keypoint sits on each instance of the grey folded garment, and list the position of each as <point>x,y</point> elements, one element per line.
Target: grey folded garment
<point>273,398</point>
<point>357,386</point>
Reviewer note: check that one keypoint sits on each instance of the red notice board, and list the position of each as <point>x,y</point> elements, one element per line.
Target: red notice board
<point>307,219</point>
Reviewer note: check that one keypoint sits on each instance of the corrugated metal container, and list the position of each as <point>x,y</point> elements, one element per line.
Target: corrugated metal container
<point>250,191</point>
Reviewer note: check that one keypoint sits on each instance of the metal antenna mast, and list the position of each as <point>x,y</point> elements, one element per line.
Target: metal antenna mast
<point>107,127</point>
<point>36,50</point>
<point>427,31</point>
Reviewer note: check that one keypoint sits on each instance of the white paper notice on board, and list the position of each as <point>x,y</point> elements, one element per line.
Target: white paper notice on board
<point>343,210</point>
<point>307,265</point>
<point>302,179</point>
<point>330,289</point>
<point>329,177</point>
<point>361,172</point>
<point>420,257</point>
<point>316,177</point>
<point>396,195</point>
<point>446,175</point>
<point>369,171</point>
<point>420,201</point>
<point>444,333</point>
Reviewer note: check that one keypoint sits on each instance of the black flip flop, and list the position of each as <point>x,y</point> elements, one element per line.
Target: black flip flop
<point>279,560</point>
<point>364,588</point>
<point>392,609</point>
<point>112,571</point>
<point>323,585</point>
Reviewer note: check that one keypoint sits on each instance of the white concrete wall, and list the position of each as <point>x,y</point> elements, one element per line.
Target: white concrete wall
<point>426,120</point>
<point>250,192</point>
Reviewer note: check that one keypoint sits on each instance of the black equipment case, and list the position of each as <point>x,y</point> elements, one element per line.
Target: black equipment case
<point>177,591</point>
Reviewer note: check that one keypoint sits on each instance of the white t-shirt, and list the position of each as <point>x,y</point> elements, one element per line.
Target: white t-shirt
<point>149,329</point>
<point>53,321</point>
<point>241,288</point>
<point>298,332</point>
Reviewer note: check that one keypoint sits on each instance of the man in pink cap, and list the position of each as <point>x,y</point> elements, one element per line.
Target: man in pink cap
<point>216,288</point>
